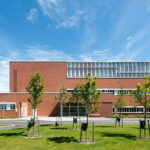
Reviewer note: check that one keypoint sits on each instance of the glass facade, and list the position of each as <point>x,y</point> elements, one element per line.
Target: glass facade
<point>132,109</point>
<point>108,69</point>
<point>108,91</point>
<point>73,110</point>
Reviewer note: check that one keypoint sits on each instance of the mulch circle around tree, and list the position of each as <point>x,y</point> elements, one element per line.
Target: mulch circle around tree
<point>32,137</point>
<point>86,142</point>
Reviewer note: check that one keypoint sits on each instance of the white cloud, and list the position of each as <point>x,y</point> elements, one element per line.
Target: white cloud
<point>129,38</point>
<point>44,53</point>
<point>68,22</point>
<point>140,41</point>
<point>29,53</point>
<point>4,69</point>
<point>106,55</point>
<point>58,11</point>
<point>33,14</point>
<point>4,75</point>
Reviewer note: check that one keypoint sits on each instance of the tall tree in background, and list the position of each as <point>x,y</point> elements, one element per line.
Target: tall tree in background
<point>88,94</point>
<point>120,101</point>
<point>35,88</point>
<point>62,98</point>
<point>142,94</point>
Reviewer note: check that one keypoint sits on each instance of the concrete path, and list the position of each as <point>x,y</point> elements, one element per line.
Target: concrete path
<point>22,122</point>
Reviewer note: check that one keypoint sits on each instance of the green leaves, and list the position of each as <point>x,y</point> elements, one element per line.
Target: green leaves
<point>87,94</point>
<point>63,96</point>
<point>35,89</point>
<point>142,94</point>
<point>120,101</point>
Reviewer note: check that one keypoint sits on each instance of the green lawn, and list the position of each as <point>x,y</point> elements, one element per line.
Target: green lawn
<point>107,137</point>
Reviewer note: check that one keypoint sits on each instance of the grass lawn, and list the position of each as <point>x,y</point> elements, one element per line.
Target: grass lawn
<point>107,137</point>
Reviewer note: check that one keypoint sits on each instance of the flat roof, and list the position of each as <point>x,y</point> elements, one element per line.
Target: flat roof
<point>37,61</point>
<point>86,61</point>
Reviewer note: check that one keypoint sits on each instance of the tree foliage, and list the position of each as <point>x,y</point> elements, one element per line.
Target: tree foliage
<point>142,94</point>
<point>36,90</point>
<point>76,96</point>
<point>62,98</point>
<point>63,95</point>
<point>120,101</point>
<point>87,94</point>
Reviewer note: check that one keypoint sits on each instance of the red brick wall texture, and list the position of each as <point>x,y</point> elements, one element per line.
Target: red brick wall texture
<point>54,75</point>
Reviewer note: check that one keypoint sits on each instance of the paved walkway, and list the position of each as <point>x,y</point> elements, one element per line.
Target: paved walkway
<point>22,122</point>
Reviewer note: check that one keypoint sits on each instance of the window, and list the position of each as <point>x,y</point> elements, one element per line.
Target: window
<point>113,109</point>
<point>147,67</point>
<point>132,109</point>
<point>81,72</point>
<point>134,67</point>
<point>118,66</point>
<point>7,106</point>
<point>122,67</point>
<point>139,67</point>
<point>93,72</point>
<point>97,65</point>
<point>70,90</point>
<point>130,67</point>
<point>73,109</point>
<point>89,65</point>
<point>126,67</point>
<point>108,69</point>
<point>106,91</point>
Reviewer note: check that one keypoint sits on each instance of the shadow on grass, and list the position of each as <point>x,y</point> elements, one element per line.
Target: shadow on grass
<point>46,125</point>
<point>62,139</point>
<point>127,136</point>
<point>12,134</point>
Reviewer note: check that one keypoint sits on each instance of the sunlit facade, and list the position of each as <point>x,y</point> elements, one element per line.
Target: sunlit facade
<point>56,74</point>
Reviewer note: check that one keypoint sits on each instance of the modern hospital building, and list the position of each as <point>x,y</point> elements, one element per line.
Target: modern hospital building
<point>69,74</point>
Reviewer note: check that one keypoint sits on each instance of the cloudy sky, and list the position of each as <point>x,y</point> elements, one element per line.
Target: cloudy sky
<point>73,30</point>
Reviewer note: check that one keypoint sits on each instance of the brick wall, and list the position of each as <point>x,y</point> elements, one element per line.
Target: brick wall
<point>55,76</point>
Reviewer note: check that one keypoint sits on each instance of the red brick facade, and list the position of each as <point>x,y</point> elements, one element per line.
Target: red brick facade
<point>54,75</point>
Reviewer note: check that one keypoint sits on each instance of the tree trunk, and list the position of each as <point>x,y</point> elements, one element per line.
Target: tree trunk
<point>145,113</point>
<point>61,113</point>
<point>145,106</point>
<point>145,121</point>
<point>87,117</point>
<point>145,99</point>
<point>120,112</point>
<point>34,122</point>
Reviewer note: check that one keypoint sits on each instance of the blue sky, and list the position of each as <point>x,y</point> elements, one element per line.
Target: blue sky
<point>73,30</point>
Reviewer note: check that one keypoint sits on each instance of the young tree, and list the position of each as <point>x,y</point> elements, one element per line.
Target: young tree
<point>142,94</point>
<point>88,95</point>
<point>76,96</point>
<point>120,101</point>
<point>62,98</point>
<point>35,88</point>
